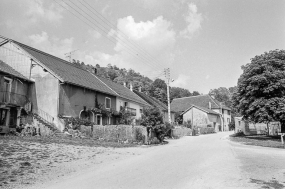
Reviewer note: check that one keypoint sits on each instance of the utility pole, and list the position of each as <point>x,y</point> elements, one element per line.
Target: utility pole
<point>69,54</point>
<point>167,76</point>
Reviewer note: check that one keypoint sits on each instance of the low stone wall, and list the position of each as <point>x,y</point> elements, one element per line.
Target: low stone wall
<point>118,133</point>
<point>206,130</point>
<point>178,132</point>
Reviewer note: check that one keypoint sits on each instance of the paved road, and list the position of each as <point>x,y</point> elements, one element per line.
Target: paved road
<point>208,161</point>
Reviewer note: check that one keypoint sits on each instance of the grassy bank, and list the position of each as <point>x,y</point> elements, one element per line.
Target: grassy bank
<point>258,140</point>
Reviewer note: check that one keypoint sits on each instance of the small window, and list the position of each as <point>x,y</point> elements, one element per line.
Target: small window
<point>141,111</point>
<point>126,104</point>
<point>107,103</point>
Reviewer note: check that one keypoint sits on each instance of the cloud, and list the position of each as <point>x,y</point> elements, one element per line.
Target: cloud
<point>36,10</point>
<point>52,45</point>
<point>181,81</point>
<point>143,45</point>
<point>94,34</point>
<point>193,20</point>
<point>207,76</point>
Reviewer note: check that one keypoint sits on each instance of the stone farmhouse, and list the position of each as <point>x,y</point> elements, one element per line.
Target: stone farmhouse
<point>203,111</point>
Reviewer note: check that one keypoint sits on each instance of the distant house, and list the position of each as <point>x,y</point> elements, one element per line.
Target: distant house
<point>249,128</point>
<point>158,104</point>
<point>14,97</point>
<point>63,89</point>
<point>126,98</point>
<point>218,115</point>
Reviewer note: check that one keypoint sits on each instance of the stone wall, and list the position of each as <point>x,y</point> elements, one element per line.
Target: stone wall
<point>178,132</point>
<point>206,130</point>
<point>117,133</point>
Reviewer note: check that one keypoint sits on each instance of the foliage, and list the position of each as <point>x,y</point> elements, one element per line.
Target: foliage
<point>187,124</point>
<point>178,118</point>
<point>126,117</point>
<point>222,94</point>
<point>260,95</point>
<point>177,92</point>
<point>74,122</point>
<point>151,117</point>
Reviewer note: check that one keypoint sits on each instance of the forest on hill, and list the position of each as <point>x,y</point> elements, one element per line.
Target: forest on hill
<point>156,88</point>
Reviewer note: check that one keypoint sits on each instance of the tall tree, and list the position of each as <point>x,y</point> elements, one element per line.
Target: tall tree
<point>260,95</point>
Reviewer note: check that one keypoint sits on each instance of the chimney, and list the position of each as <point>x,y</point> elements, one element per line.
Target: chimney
<point>125,84</point>
<point>94,71</point>
<point>131,86</point>
<point>140,89</point>
<point>210,105</point>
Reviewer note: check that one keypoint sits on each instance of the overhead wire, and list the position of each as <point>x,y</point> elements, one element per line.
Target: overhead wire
<point>105,20</point>
<point>102,28</point>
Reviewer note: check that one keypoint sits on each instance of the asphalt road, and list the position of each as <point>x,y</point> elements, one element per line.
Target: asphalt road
<point>207,161</point>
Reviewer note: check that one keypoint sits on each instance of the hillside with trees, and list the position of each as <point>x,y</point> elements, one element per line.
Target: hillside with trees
<point>156,88</point>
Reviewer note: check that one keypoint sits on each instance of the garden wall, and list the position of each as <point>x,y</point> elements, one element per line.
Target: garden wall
<point>116,132</point>
<point>206,130</point>
<point>178,132</point>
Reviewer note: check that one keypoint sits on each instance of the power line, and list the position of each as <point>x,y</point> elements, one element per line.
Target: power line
<point>105,20</point>
<point>102,28</point>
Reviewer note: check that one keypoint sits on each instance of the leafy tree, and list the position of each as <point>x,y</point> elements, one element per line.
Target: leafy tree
<point>222,94</point>
<point>195,93</point>
<point>177,92</point>
<point>260,94</point>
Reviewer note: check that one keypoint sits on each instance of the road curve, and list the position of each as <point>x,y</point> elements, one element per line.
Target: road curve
<point>206,161</point>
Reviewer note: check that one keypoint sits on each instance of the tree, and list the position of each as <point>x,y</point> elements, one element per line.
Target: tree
<point>177,92</point>
<point>222,94</point>
<point>195,93</point>
<point>260,94</point>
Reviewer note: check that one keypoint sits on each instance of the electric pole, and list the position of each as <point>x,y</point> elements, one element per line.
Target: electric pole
<point>69,54</point>
<point>167,76</point>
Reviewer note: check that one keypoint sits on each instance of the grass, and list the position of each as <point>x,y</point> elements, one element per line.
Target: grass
<point>70,141</point>
<point>258,140</point>
<point>23,157</point>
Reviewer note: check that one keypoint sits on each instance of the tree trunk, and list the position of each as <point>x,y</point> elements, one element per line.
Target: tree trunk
<point>267,130</point>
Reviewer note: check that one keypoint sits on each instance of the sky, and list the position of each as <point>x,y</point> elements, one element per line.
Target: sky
<point>203,42</point>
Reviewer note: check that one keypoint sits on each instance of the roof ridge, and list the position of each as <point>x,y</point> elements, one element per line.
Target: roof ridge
<point>189,97</point>
<point>50,55</point>
<point>214,101</point>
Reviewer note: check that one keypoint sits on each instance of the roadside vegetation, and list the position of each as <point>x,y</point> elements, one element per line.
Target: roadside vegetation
<point>257,140</point>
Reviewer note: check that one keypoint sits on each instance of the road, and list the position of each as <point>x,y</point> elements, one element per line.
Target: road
<point>207,161</point>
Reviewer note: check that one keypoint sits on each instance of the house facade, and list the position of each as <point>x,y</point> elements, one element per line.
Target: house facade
<point>207,103</point>
<point>202,117</point>
<point>59,87</point>
<point>62,89</point>
<point>158,104</point>
<point>126,98</point>
<point>14,97</point>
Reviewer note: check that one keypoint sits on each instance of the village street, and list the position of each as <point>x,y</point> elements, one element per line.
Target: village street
<point>207,161</point>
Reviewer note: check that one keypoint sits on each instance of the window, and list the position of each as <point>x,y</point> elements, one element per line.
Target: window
<point>107,103</point>
<point>132,111</point>
<point>7,89</point>
<point>141,111</point>
<point>126,104</point>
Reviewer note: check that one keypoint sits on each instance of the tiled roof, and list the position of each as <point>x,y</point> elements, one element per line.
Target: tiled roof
<point>152,101</point>
<point>122,91</point>
<point>182,104</point>
<point>209,111</point>
<point>66,71</point>
<point>9,70</point>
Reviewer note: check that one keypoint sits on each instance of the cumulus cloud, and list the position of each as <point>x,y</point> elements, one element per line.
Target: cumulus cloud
<point>51,45</point>
<point>94,34</point>
<point>36,10</point>
<point>181,81</point>
<point>193,20</point>
<point>143,45</point>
